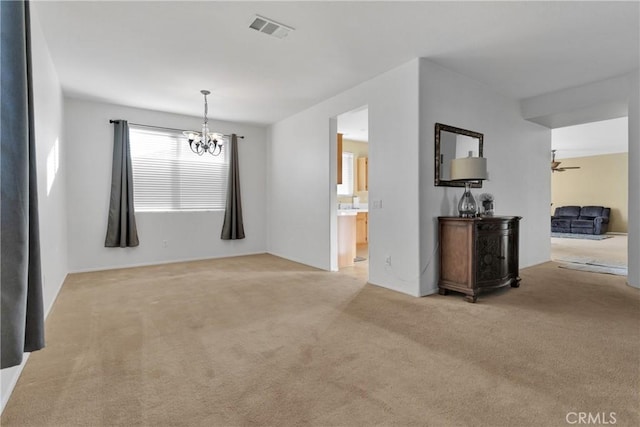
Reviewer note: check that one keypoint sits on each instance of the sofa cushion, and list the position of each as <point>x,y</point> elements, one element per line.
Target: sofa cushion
<point>590,212</point>
<point>567,212</point>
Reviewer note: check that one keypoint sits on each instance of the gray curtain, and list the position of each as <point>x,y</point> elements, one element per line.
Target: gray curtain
<point>233,227</point>
<point>121,225</point>
<point>22,314</point>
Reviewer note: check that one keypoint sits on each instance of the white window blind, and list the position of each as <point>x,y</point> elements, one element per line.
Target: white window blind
<point>346,188</point>
<point>168,176</point>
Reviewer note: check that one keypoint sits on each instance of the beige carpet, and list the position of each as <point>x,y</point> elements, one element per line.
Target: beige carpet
<point>611,251</point>
<point>262,341</point>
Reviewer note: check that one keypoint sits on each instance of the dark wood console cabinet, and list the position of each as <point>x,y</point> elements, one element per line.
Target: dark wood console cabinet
<point>478,254</point>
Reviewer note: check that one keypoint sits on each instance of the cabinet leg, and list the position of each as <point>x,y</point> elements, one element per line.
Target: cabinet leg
<point>471,298</point>
<point>443,291</point>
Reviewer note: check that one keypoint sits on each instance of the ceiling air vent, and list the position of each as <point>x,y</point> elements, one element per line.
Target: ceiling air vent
<point>270,27</point>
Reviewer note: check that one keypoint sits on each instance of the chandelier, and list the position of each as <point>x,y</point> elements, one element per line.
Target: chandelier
<point>205,141</point>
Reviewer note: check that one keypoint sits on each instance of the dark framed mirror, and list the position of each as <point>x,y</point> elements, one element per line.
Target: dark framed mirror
<point>453,143</point>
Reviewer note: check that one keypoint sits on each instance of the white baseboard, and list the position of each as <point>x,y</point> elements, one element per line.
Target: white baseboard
<point>149,264</point>
<point>8,384</point>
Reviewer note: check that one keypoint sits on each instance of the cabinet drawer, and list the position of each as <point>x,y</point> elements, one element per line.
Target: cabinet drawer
<point>493,226</point>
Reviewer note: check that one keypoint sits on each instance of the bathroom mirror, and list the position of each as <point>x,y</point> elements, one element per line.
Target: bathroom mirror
<point>453,143</point>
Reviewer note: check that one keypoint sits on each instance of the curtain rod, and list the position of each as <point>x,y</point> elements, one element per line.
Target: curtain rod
<point>165,128</point>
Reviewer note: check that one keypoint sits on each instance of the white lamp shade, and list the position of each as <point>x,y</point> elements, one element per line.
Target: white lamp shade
<point>468,169</point>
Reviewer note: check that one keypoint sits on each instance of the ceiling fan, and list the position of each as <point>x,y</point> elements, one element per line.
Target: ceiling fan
<point>555,166</point>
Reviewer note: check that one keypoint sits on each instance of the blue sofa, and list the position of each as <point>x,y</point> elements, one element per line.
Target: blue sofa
<point>581,220</point>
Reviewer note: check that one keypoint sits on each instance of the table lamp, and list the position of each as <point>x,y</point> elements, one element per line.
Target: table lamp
<point>468,169</point>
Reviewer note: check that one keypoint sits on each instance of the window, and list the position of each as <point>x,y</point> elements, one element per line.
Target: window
<point>168,176</point>
<point>346,188</point>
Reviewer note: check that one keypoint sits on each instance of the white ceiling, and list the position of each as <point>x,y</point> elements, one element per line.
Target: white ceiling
<point>354,125</point>
<point>591,139</point>
<point>158,55</point>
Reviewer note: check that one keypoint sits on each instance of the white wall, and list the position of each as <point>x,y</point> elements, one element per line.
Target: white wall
<point>602,100</point>
<point>404,105</point>
<point>190,235</point>
<point>50,148</point>
<point>301,206</point>
<point>633,277</point>
<point>517,153</point>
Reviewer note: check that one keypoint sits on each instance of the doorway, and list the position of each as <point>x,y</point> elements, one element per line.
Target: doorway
<point>591,169</point>
<point>352,192</point>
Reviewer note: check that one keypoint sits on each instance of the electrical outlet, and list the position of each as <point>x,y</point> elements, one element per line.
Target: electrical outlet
<point>387,260</point>
<point>165,244</point>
